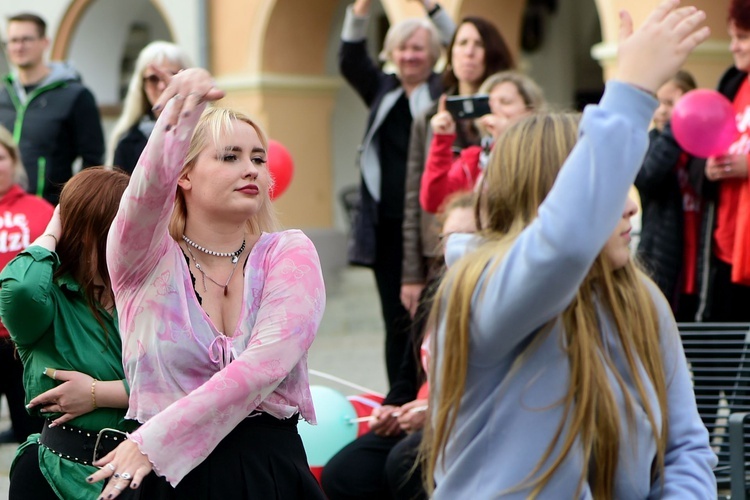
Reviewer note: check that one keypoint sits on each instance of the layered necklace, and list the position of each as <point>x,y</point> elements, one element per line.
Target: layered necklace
<point>235,256</point>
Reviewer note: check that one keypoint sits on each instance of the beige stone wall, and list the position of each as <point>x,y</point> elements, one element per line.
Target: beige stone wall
<point>707,63</point>
<point>286,40</point>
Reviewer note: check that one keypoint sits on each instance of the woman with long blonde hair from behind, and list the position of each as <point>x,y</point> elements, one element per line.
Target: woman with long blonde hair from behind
<point>558,367</point>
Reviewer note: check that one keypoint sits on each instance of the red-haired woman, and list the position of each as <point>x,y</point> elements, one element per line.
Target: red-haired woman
<point>57,303</point>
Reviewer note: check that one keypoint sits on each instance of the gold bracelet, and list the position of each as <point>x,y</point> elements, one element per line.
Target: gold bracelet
<point>51,236</point>
<point>93,394</point>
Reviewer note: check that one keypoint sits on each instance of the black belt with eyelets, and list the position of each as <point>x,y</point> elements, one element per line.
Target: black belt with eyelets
<point>79,445</point>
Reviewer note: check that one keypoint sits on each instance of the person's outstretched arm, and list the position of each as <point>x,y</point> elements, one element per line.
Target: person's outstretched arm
<point>542,270</point>
<point>139,232</point>
<point>355,64</point>
<point>441,19</point>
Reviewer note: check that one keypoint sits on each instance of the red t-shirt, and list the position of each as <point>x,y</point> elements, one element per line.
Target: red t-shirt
<point>730,189</point>
<point>23,218</point>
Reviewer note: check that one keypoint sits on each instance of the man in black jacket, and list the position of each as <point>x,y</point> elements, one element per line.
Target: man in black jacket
<point>54,118</point>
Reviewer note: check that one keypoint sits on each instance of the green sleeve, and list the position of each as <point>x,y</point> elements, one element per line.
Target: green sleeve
<point>26,305</point>
<point>127,386</point>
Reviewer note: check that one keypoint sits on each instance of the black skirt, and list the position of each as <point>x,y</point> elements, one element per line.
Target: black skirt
<point>262,458</point>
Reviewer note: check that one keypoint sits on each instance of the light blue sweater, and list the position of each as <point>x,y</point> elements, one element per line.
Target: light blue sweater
<point>506,422</point>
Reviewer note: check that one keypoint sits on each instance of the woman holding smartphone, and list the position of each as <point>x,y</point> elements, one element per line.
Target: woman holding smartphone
<point>476,51</point>
<point>511,96</point>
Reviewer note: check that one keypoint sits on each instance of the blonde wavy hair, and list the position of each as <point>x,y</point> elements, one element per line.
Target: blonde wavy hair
<point>522,170</point>
<point>214,123</point>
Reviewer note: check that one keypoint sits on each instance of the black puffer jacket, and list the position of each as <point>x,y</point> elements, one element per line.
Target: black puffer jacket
<point>661,246</point>
<point>55,124</point>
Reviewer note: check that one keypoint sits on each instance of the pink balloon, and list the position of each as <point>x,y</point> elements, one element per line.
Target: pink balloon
<point>704,124</point>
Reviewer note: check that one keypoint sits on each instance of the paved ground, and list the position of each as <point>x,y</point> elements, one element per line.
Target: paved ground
<point>349,346</point>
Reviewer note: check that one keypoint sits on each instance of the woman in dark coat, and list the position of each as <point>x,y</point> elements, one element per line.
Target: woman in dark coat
<point>670,223</point>
<point>413,46</point>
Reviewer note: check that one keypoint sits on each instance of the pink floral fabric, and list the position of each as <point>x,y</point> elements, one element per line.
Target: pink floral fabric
<point>191,384</point>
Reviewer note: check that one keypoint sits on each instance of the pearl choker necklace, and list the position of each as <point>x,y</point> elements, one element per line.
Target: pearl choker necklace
<point>234,255</point>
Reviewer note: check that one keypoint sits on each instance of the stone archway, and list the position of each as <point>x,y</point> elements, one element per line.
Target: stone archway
<point>274,68</point>
<point>93,36</point>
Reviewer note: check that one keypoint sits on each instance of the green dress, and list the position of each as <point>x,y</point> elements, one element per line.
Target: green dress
<point>52,326</point>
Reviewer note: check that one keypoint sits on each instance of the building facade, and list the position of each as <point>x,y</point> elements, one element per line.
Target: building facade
<point>277,61</point>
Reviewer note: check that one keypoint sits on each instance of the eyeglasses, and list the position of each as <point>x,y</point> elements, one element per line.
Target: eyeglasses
<point>24,40</point>
<point>152,80</point>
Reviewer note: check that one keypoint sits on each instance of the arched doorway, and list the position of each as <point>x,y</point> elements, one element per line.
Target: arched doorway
<point>102,39</point>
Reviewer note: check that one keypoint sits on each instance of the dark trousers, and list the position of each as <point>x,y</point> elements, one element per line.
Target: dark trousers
<point>687,307</point>
<point>262,457</point>
<point>729,301</point>
<point>387,269</point>
<point>375,467</point>
<point>11,384</point>
<point>405,480</point>
<point>28,481</point>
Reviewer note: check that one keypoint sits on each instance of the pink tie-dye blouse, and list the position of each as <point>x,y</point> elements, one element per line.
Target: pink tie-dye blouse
<point>190,384</point>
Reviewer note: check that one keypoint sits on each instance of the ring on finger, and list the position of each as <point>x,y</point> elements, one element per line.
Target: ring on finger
<point>111,467</point>
<point>126,476</point>
<point>117,487</point>
<point>178,97</point>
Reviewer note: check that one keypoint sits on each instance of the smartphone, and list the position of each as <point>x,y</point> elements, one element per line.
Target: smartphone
<point>465,108</point>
